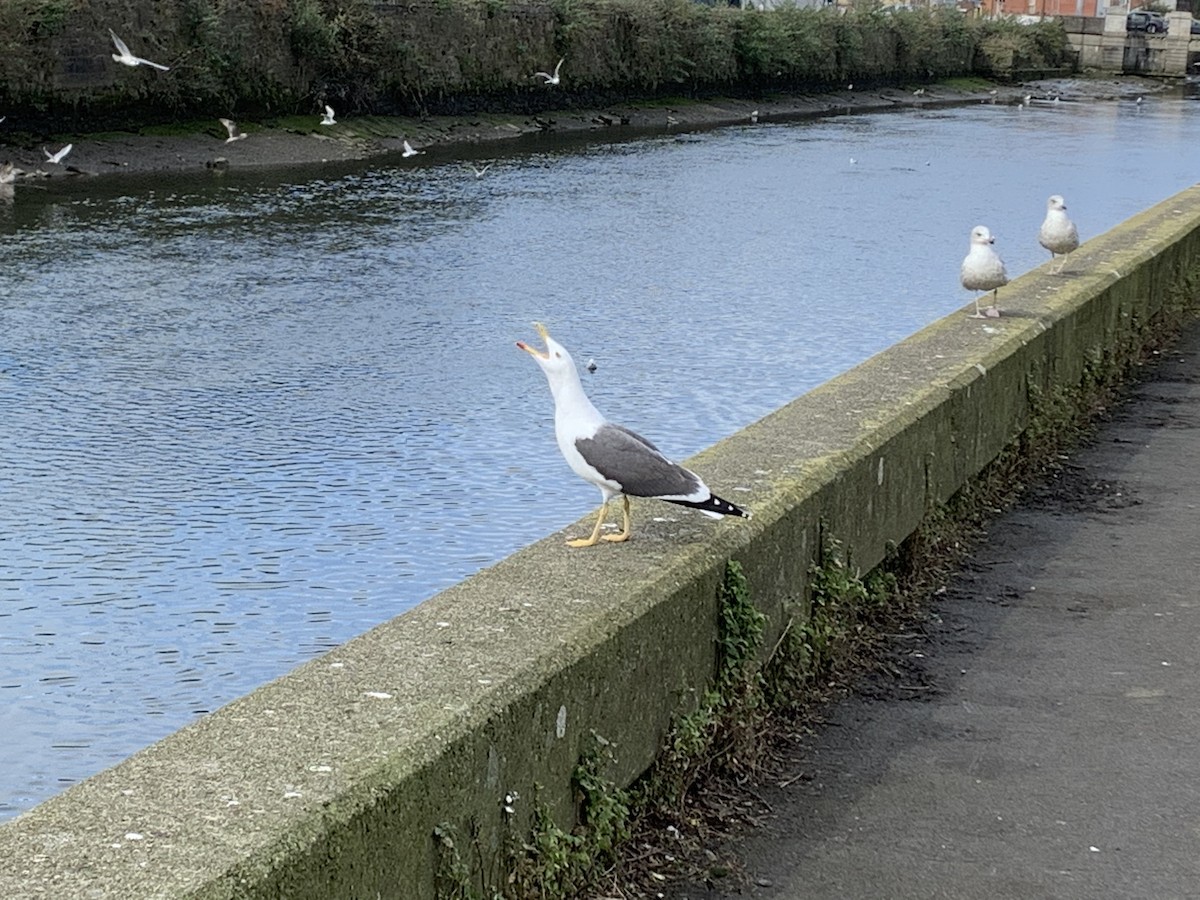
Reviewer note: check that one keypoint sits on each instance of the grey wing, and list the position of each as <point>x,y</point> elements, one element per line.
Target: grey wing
<point>628,459</point>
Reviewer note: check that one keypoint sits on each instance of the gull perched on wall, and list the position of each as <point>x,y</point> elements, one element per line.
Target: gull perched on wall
<point>235,133</point>
<point>613,458</point>
<point>549,79</point>
<point>983,270</point>
<point>125,58</point>
<point>1058,233</point>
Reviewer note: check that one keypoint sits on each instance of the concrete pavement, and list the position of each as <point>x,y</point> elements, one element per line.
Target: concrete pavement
<point>1051,745</point>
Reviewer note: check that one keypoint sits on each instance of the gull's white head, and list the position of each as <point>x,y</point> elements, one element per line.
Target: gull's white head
<point>555,361</point>
<point>981,235</point>
<point>1056,202</point>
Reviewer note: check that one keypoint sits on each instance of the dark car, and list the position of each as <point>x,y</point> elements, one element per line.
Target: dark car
<point>1195,26</point>
<point>1147,21</point>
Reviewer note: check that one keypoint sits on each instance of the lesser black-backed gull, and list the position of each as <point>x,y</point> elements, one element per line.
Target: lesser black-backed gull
<point>618,461</point>
<point>983,270</point>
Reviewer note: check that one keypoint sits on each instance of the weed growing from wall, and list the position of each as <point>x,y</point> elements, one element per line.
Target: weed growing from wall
<point>548,862</point>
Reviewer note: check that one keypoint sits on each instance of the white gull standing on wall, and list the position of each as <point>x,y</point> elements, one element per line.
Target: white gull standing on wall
<point>983,270</point>
<point>615,459</point>
<point>1058,233</point>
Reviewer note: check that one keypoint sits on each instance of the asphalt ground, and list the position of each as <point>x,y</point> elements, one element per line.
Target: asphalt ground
<point>1043,740</point>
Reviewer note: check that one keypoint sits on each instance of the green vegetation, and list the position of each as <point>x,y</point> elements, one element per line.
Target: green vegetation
<point>255,58</point>
<point>548,862</point>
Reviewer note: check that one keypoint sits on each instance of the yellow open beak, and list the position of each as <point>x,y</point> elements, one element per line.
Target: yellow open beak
<point>534,351</point>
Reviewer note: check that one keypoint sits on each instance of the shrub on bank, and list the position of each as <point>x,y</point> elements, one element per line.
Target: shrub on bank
<point>261,57</point>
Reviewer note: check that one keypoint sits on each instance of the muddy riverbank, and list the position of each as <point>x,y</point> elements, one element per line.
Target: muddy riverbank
<point>303,141</point>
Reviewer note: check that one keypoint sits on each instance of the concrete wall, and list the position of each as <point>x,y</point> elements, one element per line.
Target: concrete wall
<point>330,781</point>
<point>1103,43</point>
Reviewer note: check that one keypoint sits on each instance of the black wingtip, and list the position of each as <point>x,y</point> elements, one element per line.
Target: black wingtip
<point>714,504</point>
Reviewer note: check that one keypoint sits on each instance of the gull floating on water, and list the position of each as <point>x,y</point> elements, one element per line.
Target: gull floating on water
<point>983,270</point>
<point>1058,233</point>
<point>235,134</point>
<point>549,79</point>
<point>409,151</point>
<point>591,365</point>
<point>59,156</point>
<point>327,118</point>
<point>613,458</point>
<point>125,58</point>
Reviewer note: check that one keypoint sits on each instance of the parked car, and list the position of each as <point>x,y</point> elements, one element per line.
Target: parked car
<point>1195,26</point>
<point>1147,21</point>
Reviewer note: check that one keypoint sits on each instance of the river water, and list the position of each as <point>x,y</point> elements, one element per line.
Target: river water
<point>244,417</point>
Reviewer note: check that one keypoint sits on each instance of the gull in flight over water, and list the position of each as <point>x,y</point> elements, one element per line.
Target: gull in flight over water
<point>125,58</point>
<point>409,151</point>
<point>983,270</point>
<point>479,173</point>
<point>616,460</point>
<point>550,79</point>
<point>235,134</point>
<point>327,118</point>
<point>59,156</point>
<point>1058,233</point>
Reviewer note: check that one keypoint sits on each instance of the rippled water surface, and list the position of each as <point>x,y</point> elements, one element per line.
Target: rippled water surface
<point>246,417</point>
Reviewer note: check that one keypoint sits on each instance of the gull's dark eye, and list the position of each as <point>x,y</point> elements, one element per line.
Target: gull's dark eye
<point>557,355</point>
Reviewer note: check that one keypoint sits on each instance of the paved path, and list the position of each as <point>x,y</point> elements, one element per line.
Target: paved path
<point>1054,748</point>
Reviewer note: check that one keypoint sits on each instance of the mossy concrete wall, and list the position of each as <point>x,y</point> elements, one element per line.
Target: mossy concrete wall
<point>330,781</point>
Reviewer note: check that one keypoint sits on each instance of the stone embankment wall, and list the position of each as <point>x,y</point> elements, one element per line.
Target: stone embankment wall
<point>1101,42</point>
<point>476,707</point>
<point>274,57</point>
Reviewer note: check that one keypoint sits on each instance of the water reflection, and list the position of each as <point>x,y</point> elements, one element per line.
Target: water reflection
<point>248,416</point>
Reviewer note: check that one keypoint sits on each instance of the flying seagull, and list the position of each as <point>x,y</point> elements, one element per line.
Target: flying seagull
<point>983,270</point>
<point>125,58</point>
<point>235,134</point>
<point>409,151</point>
<point>550,79</point>
<point>59,156</point>
<point>479,173</point>
<point>8,173</point>
<point>1058,233</point>
<point>613,458</point>
<point>327,119</point>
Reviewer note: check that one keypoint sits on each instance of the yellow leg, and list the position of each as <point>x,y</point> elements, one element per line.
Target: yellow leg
<point>624,535</point>
<point>589,541</point>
